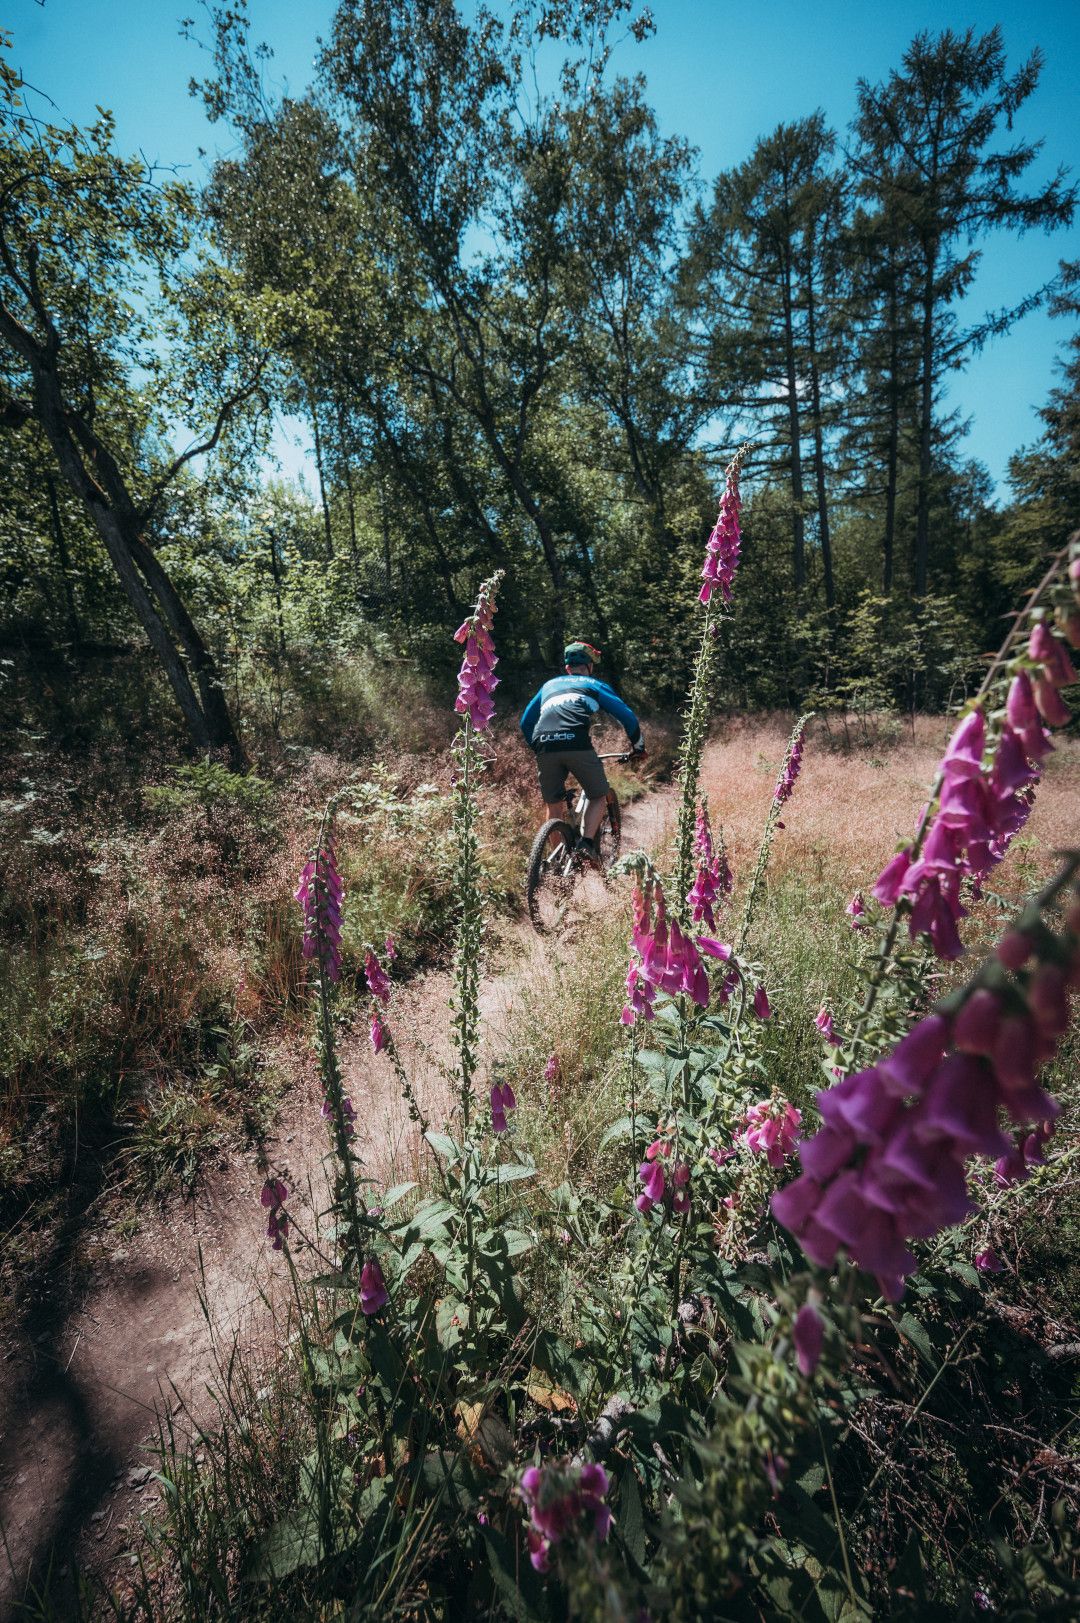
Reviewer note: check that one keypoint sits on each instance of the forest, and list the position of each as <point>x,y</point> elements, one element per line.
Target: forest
<point>358,1259</point>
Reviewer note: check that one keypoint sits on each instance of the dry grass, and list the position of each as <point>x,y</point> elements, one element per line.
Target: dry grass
<point>850,811</point>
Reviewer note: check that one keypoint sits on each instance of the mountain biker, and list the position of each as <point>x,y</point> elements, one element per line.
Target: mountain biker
<point>555,724</point>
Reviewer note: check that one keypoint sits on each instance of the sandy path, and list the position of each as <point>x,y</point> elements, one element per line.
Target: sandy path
<point>79,1396</point>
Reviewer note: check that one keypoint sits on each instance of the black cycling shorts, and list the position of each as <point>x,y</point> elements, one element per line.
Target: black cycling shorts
<point>585,765</point>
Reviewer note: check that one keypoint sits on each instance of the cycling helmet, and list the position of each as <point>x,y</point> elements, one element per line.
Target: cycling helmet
<point>581,653</point>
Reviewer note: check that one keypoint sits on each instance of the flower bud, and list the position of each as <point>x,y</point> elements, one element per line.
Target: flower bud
<point>1048,1000</point>
<point>976,1027</point>
<point>1014,949</point>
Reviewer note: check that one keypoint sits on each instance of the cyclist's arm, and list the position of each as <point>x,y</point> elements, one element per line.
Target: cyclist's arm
<point>529,717</point>
<point>609,700</point>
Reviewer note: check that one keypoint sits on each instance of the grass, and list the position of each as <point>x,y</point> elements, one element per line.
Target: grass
<point>160,1034</point>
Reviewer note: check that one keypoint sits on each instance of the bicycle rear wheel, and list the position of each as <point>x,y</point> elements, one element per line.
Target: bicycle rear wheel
<point>609,834</point>
<point>551,874</point>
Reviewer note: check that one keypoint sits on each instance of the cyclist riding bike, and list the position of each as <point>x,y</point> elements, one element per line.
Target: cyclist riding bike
<point>555,724</point>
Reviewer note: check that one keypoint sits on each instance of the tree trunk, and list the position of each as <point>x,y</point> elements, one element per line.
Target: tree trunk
<point>275,570</point>
<point>819,449</point>
<point>798,527</point>
<point>199,658</point>
<point>346,467</point>
<point>926,425</point>
<point>65,566</point>
<point>209,726</point>
<point>321,472</point>
<point>893,449</point>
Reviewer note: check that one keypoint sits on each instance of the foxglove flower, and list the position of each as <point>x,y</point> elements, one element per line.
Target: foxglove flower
<point>982,805</point>
<point>714,879</point>
<point>762,1007</point>
<point>722,547</point>
<point>824,1022</point>
<point>772,1129</point>
<point>987,1261</point>
<point>888,1165</point>
<point>348,1115</point>
<point>560,1498</point>
<point>651,1174</point>
<point>789,771</point>
<point>502,1100</point>
<point>375,975</point>
<point>663,957</point>
<point>320,893</point>
<point>476,678</point>
<point>273,1198</point>
<point>377,1033</point>
<point>808,1334</point>
<point>856,910</point>
<point>373,1292</point>
<point>551,1069</point>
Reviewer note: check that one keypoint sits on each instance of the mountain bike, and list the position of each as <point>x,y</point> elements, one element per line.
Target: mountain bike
<point>556,868</point>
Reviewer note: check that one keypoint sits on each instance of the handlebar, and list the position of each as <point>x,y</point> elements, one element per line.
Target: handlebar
<point>630,755</point>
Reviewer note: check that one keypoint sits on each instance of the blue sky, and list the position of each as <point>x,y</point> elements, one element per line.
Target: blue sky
<point>719,73</point>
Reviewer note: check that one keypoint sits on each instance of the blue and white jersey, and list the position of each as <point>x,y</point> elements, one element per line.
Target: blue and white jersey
<point>560,715</point>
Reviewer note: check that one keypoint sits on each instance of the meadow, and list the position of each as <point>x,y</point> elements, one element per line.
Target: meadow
<point>526,1337</point>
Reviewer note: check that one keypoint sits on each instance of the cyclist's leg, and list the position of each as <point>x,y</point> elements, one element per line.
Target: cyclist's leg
<point>552,773</point>
<point>588,769</point>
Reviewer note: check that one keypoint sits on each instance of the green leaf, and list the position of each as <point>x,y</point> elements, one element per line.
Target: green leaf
<point>514,1172</point>
<point>290,1544</point>
<point>514,1579</point>
<point>443,1145</point>
<point>619,1130</point>
<point>631,1522</point>
<point>914,1332</point>
<point>395,1194</point>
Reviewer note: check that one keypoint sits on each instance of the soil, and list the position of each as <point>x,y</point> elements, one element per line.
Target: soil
<point>84,1386</point>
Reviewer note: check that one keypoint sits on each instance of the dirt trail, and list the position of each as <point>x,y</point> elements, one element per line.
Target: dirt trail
<point>79,1396</point>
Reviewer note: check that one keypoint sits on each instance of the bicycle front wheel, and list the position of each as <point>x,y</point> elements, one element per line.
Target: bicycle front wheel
<point>550,876</point>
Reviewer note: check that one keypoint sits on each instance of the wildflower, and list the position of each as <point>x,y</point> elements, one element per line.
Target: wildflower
<point>1023,1153</point>
<point>664,958</point>
<point>551,1069</point>
<point>888,1165</point>
<point>856,910</point>
<point>320,894</point>
<point>390,949</point>
<point>761,1003</point>
<point>722,547</point>
<point>373,1292</point>
<point>476,678</point>
<point>273,1197</point>
<point>651,1174</point>
<point>772,1129</point>
<point>640,996</point>
<point>987,1261</point>
<point>502,1100</point>
<point>680,1199</point>
<point>808,1334</point>
<point>1051,653</point>
<point>377,1033</point>
<point>347,1111</point>
<point>721,1157</point>
<point>559,1497</point>
<point>824,1022</point>
<point>375,975</point>
<point>789,771</point>
<point>714,879</point>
